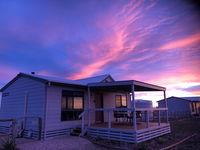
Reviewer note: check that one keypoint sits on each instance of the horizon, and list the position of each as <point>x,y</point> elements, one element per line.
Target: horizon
<point>150,41</point>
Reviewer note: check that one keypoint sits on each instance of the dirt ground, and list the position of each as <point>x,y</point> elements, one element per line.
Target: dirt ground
<point>180,130</point>
<point>61,143</point>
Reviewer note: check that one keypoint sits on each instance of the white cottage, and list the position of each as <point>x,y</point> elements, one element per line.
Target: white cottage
<point>48,107</point>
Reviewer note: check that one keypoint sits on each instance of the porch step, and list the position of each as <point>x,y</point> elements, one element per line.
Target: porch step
<point>76,132</point>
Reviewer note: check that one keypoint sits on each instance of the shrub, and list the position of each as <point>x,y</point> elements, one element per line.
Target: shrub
<point>98,138</point>
<point>142,146</point>
<point>9,144</point>
<point>161,140</point>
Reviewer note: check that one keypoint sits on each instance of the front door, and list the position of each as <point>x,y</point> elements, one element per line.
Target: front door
<point>99,104</point>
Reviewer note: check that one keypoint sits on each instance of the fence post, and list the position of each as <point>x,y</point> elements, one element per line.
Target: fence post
<point>39,128</point>
<point>13,130</point>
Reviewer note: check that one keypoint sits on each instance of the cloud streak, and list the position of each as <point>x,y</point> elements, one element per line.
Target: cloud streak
<point>188,41</point>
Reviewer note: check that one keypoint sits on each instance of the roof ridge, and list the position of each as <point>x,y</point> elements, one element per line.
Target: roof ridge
<point>92,77</point>
<point>38,75</point>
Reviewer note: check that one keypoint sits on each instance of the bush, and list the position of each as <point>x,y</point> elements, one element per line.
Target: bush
<point>9,144</point>
<point>161,140</point>
<point>98,138</point>
<point>142,146</point>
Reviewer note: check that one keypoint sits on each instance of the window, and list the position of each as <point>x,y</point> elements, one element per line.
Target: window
<point>71,105</point>
<point>120,101</point>
<point>192,107</point>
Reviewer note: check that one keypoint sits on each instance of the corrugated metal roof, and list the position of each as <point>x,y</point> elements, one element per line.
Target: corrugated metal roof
<point>92,79</point>
<point>83,81</point>
<point>192,98</point>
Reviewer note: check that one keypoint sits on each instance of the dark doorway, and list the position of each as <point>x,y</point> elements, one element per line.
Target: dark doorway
<point>99,104</point>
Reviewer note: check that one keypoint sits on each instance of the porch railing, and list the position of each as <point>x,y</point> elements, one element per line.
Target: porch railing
<point>109,110</point>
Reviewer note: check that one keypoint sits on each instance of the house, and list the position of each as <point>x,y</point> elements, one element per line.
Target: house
<point>181,106</point>
<point>47,107</point>
<point>140,103</point>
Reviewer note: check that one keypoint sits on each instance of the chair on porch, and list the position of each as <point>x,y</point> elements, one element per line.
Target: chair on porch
<point>130,116</point>
<point>120,115</point>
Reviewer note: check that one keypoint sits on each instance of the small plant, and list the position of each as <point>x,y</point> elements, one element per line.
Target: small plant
<point>9,144</point>
<point>114,142</point>
<point>161,140</point>
<point>142,146</point>
<point>98,138</point>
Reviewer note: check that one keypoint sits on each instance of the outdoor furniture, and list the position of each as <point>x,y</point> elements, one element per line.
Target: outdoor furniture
<point>130,116</point>
<point>120,114</point>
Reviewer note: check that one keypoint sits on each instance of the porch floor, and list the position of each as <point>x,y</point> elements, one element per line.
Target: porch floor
<point>125,126</point>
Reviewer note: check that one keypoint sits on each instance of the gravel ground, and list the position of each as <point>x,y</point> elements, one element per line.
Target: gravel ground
<point>62,143</point>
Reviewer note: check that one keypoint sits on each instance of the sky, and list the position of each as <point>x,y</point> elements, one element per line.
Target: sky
<point>147,40</point>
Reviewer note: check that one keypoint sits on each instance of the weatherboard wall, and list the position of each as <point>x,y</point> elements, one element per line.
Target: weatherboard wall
<point>13,102</point>
<point>53,109</point>
<point>176,105</point>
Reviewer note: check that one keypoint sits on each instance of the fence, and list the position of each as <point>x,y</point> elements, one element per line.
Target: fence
<point>8,132</point>
<point>27,127</point>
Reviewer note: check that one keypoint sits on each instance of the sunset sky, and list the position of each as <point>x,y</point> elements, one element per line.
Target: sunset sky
<point>151,41</point>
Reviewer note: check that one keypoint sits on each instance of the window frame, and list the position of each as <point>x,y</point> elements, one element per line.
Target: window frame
<point>65,111</point>
<point>193,107</point>
<point>121,106</point>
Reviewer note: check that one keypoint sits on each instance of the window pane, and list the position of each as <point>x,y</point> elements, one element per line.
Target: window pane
<point>124,104</point>
<point>78,103</point>
<point>192,107</point>
<point>118,101</point>
<point>70,103</point>
<point>63,105</point>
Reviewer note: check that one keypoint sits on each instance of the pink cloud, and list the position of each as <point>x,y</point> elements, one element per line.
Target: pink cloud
<point>181,43</point>
<point>117,45</point>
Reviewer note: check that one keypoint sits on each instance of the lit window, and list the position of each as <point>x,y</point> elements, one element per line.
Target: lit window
<point>118,101</point>
<point>124,101</point>
<point>78,103</point>
<point>121,101</point>
<point>71,105</point>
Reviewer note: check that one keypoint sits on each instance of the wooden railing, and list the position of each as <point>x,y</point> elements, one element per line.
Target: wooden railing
<point>82,115</point>
<point>147,110</point>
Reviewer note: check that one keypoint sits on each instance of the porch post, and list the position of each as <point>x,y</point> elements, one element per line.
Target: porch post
<point>166,105</point>
<point>82,124</point>
<point>89,106</point>
<point>134,110</point>
<point>109,122</point>
<point>159,117</point>
<point>147,119</point>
